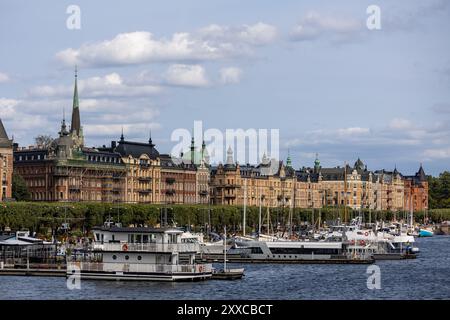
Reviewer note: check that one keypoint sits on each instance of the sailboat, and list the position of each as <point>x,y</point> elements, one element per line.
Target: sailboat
<point>226,273</point>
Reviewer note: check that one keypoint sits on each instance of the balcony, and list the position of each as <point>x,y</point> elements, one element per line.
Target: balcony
<point>74,187</point>
<point>203,193</point>
<point>170,180</point>
<point>139,268</point>
<point>232,196</point>
<point>148,247</point>
<point>146,191</point>
<point>170,192</point>
<point>145,179</point>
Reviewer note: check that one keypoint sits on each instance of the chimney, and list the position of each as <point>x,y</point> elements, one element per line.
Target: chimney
<point>15,146</point>
<point>113,144</point>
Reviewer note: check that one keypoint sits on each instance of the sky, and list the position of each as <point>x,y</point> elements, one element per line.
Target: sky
<point>311,69</point>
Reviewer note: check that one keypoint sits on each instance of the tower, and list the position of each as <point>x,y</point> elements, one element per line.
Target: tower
<point>76,130</point>
<point>317,163</point>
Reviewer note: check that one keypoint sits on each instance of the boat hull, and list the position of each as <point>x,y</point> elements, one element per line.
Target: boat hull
<point>425,233</point>
<point>132,276</point>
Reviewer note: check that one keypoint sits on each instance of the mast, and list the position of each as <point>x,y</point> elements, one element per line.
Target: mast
<point>245,206</point>
<point>259,223</point>
<point>225,249</point>
<point>345,191</point>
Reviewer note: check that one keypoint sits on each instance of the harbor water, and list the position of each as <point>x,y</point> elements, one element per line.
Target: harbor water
<point>427,277</point>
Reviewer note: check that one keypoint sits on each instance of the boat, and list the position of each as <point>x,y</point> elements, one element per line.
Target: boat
<point>425,232</point>
<point>141,253</point>
<point>225,273</point>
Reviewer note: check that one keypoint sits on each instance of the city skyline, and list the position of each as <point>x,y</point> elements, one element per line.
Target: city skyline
<point>313,70</point>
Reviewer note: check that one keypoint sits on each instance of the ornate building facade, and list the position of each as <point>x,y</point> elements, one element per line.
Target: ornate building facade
<point>314,187</point>
<point>6,164</point>
<point>127,171</point>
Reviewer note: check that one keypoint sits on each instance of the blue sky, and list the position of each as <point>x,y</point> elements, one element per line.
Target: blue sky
<point>311,69</point>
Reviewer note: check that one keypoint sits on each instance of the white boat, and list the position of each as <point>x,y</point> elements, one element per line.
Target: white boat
<point>141,253</point>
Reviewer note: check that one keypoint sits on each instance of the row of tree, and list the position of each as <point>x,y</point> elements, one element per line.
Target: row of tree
<point>45,218</point>
<point>439,191</point>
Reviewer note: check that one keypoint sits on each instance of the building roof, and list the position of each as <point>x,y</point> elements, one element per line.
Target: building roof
<point>136,149</point>
<point>5,142</point>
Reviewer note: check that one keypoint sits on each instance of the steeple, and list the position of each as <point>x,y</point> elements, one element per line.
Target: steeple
<point>317,163</point>
<point>150,142</point>
<point>192,150</point>
<point>122,138</point>
<point>75,126</point>
<point>288,160</point>
<point>63,131</point>
<point>230,156</point>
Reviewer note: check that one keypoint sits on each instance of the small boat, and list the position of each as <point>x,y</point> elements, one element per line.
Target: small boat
<point>228,274</point>
<point>425,233</point>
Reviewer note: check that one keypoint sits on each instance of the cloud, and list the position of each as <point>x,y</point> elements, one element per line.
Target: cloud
<point>210,43</point>
<point>314,26</point>
<point>4,77</point>
<point>110,85</point>
<point>186,76</point>
<point>353,131</point>
<point>400,124</point>
<point>435,154</point>
<point>257,34</point>
<point>230,75</point>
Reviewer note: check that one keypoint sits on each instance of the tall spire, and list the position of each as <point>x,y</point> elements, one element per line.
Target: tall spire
<point>150,142</point>
<point>75,125</point>
<point>122,138</point>
<point>4,140</point>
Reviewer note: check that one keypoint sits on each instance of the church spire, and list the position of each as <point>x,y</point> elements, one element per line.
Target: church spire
<point>75,125</point>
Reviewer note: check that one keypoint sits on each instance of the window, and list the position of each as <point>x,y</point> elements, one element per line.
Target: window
<point>139,258</point>
<point>114,257</point>
<point>127,257</point>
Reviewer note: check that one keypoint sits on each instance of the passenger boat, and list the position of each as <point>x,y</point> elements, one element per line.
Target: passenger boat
<point>141,253</point>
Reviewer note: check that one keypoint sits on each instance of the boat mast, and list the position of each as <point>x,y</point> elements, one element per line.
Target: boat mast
<point>259,222</point>
<point>225,249</point>
<point>245,206</point>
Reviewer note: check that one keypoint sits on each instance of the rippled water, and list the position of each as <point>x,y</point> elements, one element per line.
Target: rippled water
<point>427,277</point>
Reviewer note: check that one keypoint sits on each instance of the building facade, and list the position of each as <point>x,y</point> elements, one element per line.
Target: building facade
<point>6,164</point>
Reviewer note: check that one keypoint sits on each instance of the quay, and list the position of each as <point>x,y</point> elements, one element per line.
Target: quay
<point>33,272</point>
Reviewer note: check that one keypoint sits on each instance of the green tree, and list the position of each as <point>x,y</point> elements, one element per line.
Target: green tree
<point>19,188</point>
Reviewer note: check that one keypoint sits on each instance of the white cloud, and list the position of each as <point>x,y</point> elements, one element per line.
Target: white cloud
<point>434,154</point>
<point>400,124</point>
<point>210,43</point>
<point>186,75</point>
<point>3,77</point>
<point>110,85</point>
<point>230,75</point>
<point>314,26</point>
<point>352,131</point>
<point>257,34</point>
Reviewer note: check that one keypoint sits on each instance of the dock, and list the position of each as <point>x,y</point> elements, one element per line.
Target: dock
<point>33,272</point>
<point>292,261</point>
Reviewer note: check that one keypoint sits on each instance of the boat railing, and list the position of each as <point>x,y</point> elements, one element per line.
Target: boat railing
<point>148,247</point>
<point>73,267</point>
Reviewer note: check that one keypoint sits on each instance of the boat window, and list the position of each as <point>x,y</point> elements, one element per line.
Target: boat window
<point>145,238</point>
<point>127,257</point>
<point>114,257</point>
<point>139,258</point>
<point>138,238</point>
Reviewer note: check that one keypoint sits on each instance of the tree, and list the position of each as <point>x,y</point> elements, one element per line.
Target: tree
<point>43,140</point>
<point>19,188</point>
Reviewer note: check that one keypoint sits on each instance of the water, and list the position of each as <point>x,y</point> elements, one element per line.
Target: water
<point>427,277</point>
